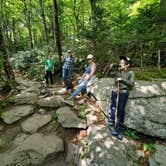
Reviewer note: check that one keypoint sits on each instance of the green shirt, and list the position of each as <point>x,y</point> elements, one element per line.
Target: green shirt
<point>49,64</point>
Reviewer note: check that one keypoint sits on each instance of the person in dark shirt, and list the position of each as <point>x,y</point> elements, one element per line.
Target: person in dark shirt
<point>124,81</point>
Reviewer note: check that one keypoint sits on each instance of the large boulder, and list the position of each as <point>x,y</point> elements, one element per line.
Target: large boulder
<point>35,122</point>
<point>69,120</point>
<point>33,150</point>
<point>25,98</point>
<point>15,113</point>
<point>145,110</point>
<point>104,149</point>
<point>51,102</point>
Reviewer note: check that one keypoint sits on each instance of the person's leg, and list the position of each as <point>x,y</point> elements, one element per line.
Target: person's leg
<point>51,77</point>
<point>46,77</point>
<point>79,89</point>
<point>121,106</point>
<point>111,113</point>
<point>69,74</point>
<point>63,76</point>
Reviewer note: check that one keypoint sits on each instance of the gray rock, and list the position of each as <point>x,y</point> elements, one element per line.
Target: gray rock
<point>145,110</point>
<point>52,102</point>
<point>35,122</point>
<point>158,158</point>
<point>34,150</point>
<point>147,116</point>
<point>69,120</point>
<point>163,85</point>
<point>42,111</point>
<point>15,113</point>
<point>105,150</point>
<point>25,98</point>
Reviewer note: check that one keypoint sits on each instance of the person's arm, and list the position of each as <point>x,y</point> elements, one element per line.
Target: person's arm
<point>130,81</point>
<point>62,58</point>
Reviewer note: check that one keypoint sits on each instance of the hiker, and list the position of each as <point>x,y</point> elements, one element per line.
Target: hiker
<point>49,65</point>
<point>124,81</point>
<point>86,77</point>
<point>67,67</point>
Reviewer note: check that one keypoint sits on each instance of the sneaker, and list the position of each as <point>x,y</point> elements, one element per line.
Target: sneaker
<point>116,134</point>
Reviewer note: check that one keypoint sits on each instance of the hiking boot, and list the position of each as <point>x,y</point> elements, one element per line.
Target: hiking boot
<point>116,134</point>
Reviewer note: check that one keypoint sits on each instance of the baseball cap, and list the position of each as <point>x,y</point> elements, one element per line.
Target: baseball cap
<point>90,56</point>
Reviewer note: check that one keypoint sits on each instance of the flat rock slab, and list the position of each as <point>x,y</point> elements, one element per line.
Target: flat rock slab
<point>70,120</point>
<point>32,124</point>
<point>159,156</point>
<point>104,149</point>
<point>25,98</point>
<point>33,150</point>
<point>16,113</point>
<point>51,102</point>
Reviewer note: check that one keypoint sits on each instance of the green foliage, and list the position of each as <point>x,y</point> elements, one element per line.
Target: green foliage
<point>55,116</point>
<point>132,134</point>
<point>82,113</point>
<point>104,29</point>
<point>148,147</point>
<point>150,74</point>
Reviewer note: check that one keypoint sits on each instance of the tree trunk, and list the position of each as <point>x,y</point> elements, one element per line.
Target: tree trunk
<point>158,59</point>
<point>57,32</point>
<point>44,22</point>
<point>6,64</point>
<point>27,13</point>
<point>141,56</point>
<point>14,34</point>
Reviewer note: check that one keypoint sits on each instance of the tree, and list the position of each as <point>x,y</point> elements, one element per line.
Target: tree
<point>44,21</point>
<point>27,14</point>
<point>57,32</point>
<point>6,64</point>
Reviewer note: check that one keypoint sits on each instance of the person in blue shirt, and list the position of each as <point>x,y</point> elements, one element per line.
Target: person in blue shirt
<point>86,77</point>
<point>67,67</point>
<point>49,65</point>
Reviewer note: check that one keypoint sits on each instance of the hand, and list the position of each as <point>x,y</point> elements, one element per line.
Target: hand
<point>86,77</point>
<point>119,79</point>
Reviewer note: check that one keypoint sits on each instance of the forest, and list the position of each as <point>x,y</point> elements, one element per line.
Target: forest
<point>32,29</point>
<point>73,123</point>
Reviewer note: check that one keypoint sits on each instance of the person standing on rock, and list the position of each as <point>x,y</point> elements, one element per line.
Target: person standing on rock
<point>67,67</point>
<point>124,81</point>
<point>49,65</point>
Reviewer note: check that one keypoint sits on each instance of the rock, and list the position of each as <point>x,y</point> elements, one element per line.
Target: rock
<point>145,110</point>
<point>35,122</point>
<point>1,127</point>
<point>163,85</point>
<point>34,150</point>
<point>15,113</point>
<point>42,111</point>
<point>51,102</point>
<point>24,98</point>
<point>69,120</point>
<point>72,151</point>
<point>3,142</point>
<point>105,150</point>
<point>32,90</point>
<point>147,116</point>
<point>158,158</point>
<point>7,136</point>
